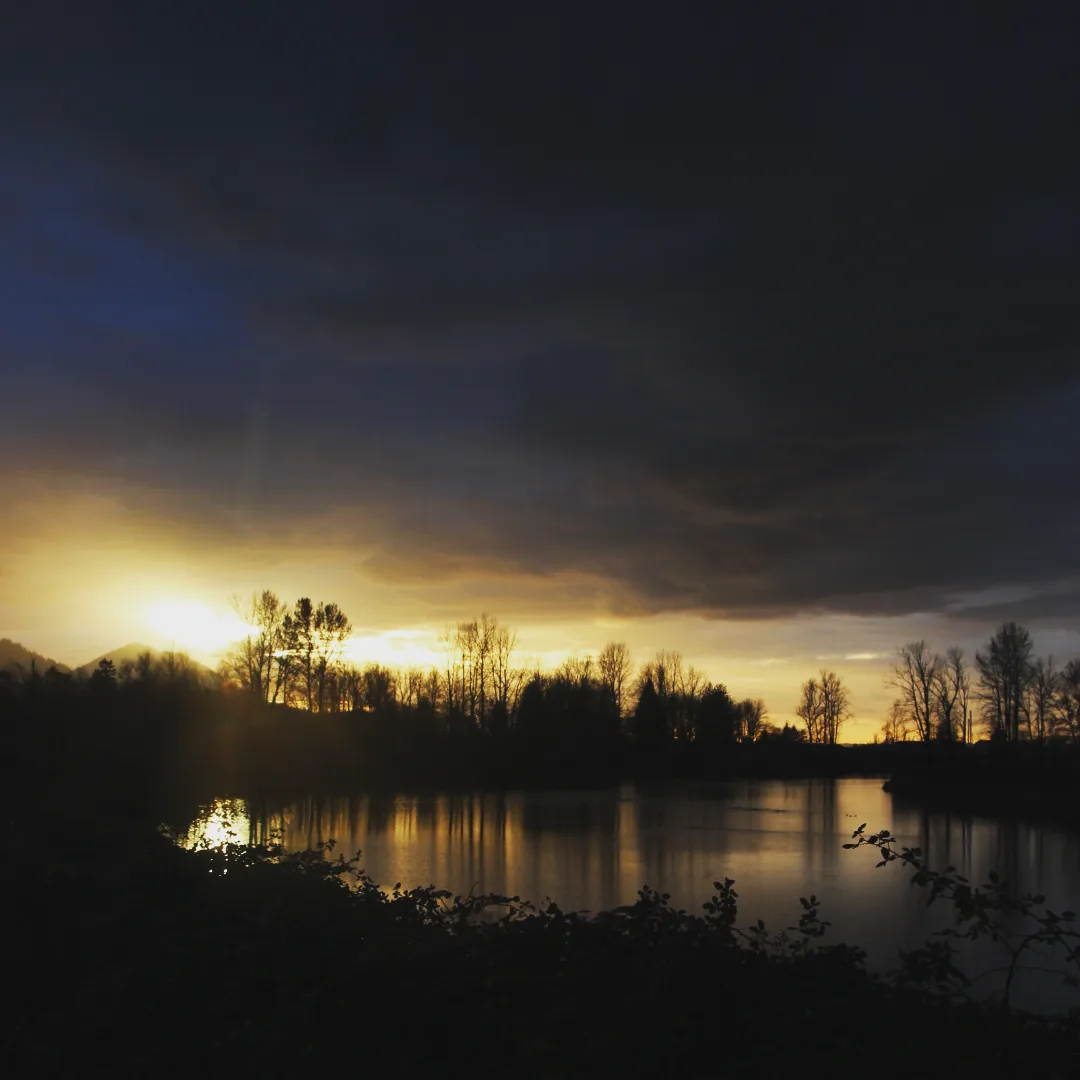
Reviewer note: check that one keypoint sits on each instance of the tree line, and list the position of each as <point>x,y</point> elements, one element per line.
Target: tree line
<point>1015,695</point>
<point>296,656</point>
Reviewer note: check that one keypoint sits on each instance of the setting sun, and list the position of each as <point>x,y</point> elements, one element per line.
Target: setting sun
<point>191,625</point>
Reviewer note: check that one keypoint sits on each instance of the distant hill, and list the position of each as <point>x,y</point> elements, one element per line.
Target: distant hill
<point>131,652</point>
<point>124,654</point>
<point>17,659</point>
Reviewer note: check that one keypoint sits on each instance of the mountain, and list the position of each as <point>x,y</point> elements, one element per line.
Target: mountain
<point>131,652</point>
<point>125,654</point>
<point>17,659</point>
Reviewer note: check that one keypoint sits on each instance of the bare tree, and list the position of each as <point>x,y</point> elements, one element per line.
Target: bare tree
<point>251,661</point>
<point>576,670</point>
<point>1005,671</point>
<point>692,685</point>
<point>487,631</point>
<point>915,676</point>
<point>753,718</point>
<point>505,681</point>
<point>667,672</point>
<point>449,675</point>
<point>897,725</point>
<point>379,687</point>
<point>431,688</point>
<point>1040,699</point>
<point>811,712</point>
<point>615,667</point>
<point>408,687</point>
<point>956,657</point>
<point>1067,701</point>
<point>467,641</point>
<point>835,706</point>
<point>951,688</point>
<point>350,688</point>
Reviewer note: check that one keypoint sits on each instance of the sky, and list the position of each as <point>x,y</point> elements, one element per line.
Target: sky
<point>751,334</point>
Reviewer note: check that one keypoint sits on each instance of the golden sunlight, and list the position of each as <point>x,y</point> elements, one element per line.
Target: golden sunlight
<point>225,822</point>
<point>191,625</point>
<point>395,648</point>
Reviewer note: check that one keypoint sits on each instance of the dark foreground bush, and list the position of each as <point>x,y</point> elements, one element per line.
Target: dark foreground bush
<point>138,958</point>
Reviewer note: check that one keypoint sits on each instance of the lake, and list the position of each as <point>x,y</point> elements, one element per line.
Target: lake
<point>779,840</point>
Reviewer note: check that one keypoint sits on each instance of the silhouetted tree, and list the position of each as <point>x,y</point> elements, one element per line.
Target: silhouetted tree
<point>615,666</point>
<point>251,661</point>
<point>448,677</point>
<point>952,688</point>
<point>753,716</point>
<point>331,634</point>
<point>104,676</point>
<point>684,702</point>
<point>916,675</point>
<point>718,719</point>
<point>810,710</point>
<point>677,687</point>
<point>835,705</point>
<point>379,685</point>
<point>532,709</point>
<point>286,666</point>
<point>897,725</point>
<point>823,706</point>
<point>650,724</point>
<point>411,687</point>
<point>301,647</point>
<point>788,735</point>
<point>1067,701</point>
<point>505,680</point>
<point>1005,672</point>
<point>1039,700</point>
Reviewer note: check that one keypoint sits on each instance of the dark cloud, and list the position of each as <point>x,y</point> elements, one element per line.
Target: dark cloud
<point>733,315</point>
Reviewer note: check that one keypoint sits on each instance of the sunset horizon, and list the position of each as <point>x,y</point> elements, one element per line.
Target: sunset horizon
<point>542,540</point>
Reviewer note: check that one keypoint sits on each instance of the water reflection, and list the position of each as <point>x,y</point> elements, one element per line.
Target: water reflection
<point>226,822</point>
<point>779,840</point>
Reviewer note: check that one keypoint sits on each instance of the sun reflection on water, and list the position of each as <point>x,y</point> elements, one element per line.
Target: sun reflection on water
<point>225,821</point>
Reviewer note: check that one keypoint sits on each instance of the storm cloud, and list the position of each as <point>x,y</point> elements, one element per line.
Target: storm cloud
<point>733,315</point>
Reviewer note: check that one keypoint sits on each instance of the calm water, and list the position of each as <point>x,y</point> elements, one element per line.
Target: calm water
<point>778,839</point>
